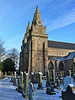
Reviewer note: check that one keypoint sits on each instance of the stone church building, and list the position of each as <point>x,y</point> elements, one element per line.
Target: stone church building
<point>38,54</point>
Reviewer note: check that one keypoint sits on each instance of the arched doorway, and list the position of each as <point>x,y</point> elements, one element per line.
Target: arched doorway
<point>50,65</point>
<point>61,66</point>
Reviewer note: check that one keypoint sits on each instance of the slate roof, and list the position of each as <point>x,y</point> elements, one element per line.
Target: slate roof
<point>61,59</point>
<point>70,56</point>
<point>61,45</point>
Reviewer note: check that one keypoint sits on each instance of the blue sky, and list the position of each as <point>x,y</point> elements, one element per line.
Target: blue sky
<point>57,15</point>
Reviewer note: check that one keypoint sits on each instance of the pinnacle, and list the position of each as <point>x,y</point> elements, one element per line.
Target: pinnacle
<point>28,27</point>
<point>37,10</point>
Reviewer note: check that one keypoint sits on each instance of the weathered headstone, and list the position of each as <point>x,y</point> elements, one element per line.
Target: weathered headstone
<point>18,82</point>
<point>74,68</point>
<point>67,81</point>
<point>0,73</point>
<point>18,87</point>
<point>8,72</point>
<point>22,79</point>
<point>40,80</point>
<point>53,75</point>
<point>74,77</point>
<point>12,78</point>
<point>69,93</point>
<point>58,84</point>
<point>48,76</point>
<point>32,77</point>
<point>63,74</point>
<point>25,92</point>
<point>70,73</point>
<point>14,82</point>
<point>31,88</point>
<point>60,74</point>
<point>50,90</point>
<point>5,73</point>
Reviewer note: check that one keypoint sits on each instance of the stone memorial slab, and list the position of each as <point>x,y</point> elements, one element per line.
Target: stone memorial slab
<point>40,80</point>
<point>53,75</point>
<point>69,94</point>
<point>14,82</point>
<point>67,81</point>
<point>25,91</point>
<point>0,73</point>
<point>32,77</point>
<point>31,88</point>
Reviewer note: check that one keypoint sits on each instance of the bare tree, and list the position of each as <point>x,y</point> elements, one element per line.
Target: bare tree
<point>2,49</point>
<point>14,55</point>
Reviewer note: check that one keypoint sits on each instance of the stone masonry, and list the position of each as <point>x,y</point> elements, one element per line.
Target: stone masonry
<point>36,51</point>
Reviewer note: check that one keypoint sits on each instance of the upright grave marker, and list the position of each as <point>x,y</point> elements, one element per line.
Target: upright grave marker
<point>0,73</point>
<point>31,91</point>
<point>67,81</point>
<point>25,92</point>
<point>32,76</point>
<point>48,76</point>
<point>40,80</point>
<point>70,73</point>
<point>53,75</point>
<point>14,83</point>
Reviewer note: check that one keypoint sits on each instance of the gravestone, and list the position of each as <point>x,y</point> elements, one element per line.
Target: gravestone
<point>5,74</point>
<point>63,74</point>
<point>14,82</point>
<point>60,74</point>
<point>32,77</point>
<point>48,76</point>
<point>69,93</point>
<point>67,81</point>
<point>70,73</point>
<point>18,81</point>
<point>53,75</point>
<point>31,88</point>
<point>0,73</point>
<point>12,78</point>
<point>18,87</point>
<point>58,84</point>
<point>74,77</point>
<point>22,80</point>
<point>40,80</point>
<point>25,91</point>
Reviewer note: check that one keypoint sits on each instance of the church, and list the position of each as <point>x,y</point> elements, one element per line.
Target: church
<point>38,54</point>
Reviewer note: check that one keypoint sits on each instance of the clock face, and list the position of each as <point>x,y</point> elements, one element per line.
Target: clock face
<point>39,22</point>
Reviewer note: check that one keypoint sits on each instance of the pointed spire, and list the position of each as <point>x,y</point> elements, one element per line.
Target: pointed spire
<point>28,27</point>
<point>37,17</point>
<point>37,10</point>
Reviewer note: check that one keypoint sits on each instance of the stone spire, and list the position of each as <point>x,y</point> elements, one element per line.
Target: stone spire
<point>37,17</point>
<point>28,27</point>
<point>27,33</point>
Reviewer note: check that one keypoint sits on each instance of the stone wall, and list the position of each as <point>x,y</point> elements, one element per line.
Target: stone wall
<point>58,52</point>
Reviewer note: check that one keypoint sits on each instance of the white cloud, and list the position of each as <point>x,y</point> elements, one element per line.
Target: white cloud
<point>62,21</point>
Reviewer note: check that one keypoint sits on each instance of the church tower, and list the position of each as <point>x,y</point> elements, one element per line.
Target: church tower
<point>39,48</point>
<point>34,49</point>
